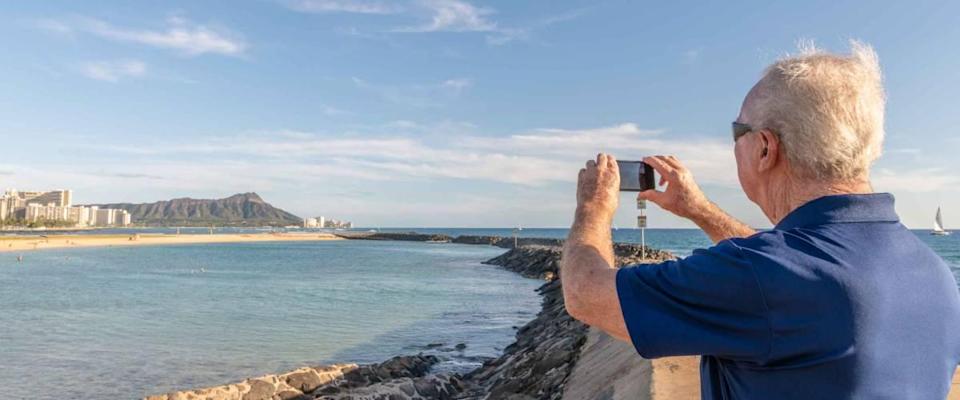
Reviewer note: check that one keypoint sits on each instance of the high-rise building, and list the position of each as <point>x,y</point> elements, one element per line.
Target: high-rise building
<point>62,198</point>
<point>105,217</point>
<point>57,206</point>
<point>121,218</point>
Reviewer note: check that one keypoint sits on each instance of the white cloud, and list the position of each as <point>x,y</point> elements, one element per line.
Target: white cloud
<point>114,71</point>
<point>924,180</point>
<point>502,36</point>
<point>55,26</point>
<point>344,6</point>
<point>453,16</point>
<point>456,85</point>
<point>535,158</point>
<point>180,35</point>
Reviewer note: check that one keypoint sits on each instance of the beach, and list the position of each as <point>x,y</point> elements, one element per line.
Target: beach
<point>22,243</point>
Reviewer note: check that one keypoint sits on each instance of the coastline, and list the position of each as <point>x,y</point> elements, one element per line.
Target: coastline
<point>25,243</point>
<point>553,356</point>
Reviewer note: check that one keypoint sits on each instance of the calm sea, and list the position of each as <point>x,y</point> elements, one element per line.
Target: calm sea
<point>119,323</point>
<point>126,322</point>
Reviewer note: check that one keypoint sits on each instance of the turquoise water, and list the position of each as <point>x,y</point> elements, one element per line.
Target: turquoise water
<point>129,321</point>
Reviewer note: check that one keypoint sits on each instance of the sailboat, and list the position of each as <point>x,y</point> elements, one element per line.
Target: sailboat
<point>938,225</point>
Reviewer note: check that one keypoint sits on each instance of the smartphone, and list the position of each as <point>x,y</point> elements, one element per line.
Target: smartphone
<point>635,176</point>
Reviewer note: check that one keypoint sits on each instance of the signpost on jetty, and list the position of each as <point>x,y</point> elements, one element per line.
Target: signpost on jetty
<point>642,224</point>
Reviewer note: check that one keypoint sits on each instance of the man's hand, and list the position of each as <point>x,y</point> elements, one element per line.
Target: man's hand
<point>598,188</point>
<point>682,196</point>
<point>587,265</point>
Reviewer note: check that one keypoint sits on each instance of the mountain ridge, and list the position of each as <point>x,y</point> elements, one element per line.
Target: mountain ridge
<point>241,209</point>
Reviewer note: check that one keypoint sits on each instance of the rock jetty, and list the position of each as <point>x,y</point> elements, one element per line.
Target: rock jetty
<point>538,365</point>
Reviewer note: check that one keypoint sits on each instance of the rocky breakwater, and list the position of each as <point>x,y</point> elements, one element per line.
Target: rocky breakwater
<point>398,236</point>
<point>538,365</point>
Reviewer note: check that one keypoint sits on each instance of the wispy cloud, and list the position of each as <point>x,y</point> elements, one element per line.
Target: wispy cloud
<point>332,111</point>
<point>453,16</point>
<point>456,85</point>
<point>344,6</point>
<point>179,34</point>
<point>923,180</point>
<point>416,95</point>
<point>437,16</point>
<point>533,158</point>
<point>691,56</point>
<point>525,32</point>
<point>114,71</point>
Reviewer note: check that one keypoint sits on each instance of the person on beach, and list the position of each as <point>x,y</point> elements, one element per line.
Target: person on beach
<point>838,301</point>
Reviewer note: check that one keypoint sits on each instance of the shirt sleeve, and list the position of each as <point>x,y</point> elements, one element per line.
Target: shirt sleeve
<point>707,304</point>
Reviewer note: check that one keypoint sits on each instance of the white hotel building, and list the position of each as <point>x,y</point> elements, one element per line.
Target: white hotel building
<point>57,206</point>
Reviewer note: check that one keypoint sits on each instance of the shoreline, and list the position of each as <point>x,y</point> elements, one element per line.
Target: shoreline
<point>29,243</point>
<point>568,359</point>
<point>549,353</point>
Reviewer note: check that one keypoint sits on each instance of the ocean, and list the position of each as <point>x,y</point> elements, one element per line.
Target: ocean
<point>125,322</point>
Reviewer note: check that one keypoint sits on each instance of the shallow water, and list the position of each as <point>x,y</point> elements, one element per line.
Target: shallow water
<point>129,321</point>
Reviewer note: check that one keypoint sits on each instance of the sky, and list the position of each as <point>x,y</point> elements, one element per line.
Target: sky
<point>442,113</point>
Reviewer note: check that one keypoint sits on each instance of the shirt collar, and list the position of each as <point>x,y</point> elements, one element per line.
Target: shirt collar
<point>843,208</point>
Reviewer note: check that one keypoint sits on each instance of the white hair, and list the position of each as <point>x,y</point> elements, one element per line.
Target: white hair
<point>827,109</point>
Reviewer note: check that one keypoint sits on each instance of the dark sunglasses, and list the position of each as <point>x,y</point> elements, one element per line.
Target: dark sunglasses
<point>740,129</point>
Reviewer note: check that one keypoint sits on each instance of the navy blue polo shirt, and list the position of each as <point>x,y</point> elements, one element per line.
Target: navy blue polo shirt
<point>838,301</point>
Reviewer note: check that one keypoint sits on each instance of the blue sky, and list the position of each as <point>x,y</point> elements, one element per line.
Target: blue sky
<point>438,112</point>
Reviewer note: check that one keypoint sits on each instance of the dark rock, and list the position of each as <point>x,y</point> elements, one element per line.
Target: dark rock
<point>291,395</point>
<point>460,346</point>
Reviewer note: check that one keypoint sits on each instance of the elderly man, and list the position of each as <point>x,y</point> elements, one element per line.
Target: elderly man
<point>837,301</point>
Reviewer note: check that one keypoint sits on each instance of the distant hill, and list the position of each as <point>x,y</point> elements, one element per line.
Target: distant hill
<point>245,209</point>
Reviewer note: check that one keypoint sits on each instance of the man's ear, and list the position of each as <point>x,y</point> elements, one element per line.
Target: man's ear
<point>769,150</point>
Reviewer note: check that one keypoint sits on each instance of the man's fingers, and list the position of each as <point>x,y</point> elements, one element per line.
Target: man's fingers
<point>612,162</point>
<point>674,162</point>
<point>660,165</point>
<point>591,164</point>
<point>651,195</point>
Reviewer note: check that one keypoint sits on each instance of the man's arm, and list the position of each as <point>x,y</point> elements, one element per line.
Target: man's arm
<point>685,199</point>
<point>588,265</point>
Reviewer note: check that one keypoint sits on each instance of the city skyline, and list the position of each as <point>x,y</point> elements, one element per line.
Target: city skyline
<point>437,113</point>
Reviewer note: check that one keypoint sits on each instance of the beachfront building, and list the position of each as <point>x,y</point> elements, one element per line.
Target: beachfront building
<point>105,217</point>
<point>337,224</point>
<point>310,223</point>
<point>32,207</point>
<point>50,212</point>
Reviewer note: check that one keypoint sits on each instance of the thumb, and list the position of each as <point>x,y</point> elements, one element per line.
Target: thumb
<point>652,195</point>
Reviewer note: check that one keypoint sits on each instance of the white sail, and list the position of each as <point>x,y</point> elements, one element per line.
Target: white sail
<point>938,224</point>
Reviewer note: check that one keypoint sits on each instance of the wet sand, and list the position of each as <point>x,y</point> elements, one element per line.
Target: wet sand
<point>31,243</point>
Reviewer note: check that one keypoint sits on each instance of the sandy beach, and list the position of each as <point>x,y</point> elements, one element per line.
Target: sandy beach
<point>32,242</point>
